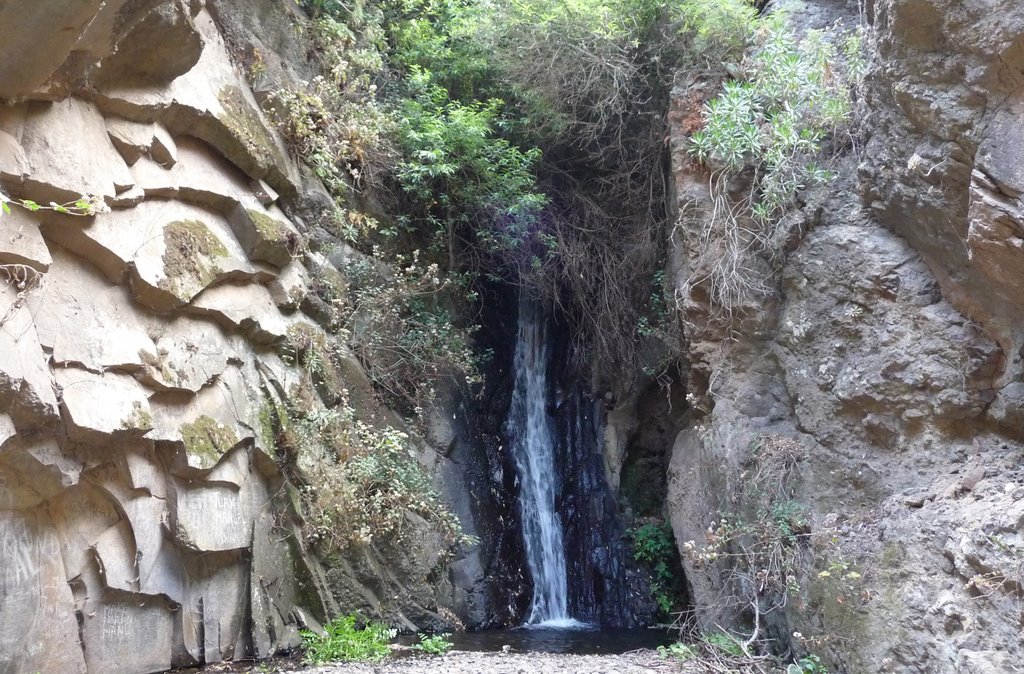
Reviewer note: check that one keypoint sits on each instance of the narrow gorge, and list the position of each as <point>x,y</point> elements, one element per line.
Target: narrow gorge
<point>311,310</point>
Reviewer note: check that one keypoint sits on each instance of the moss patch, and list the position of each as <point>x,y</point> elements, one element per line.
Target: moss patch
<point>207,440</point>
<point>269,229</point>
<point>191,253</point>
<point>139,418</point>
<point>245,124</point>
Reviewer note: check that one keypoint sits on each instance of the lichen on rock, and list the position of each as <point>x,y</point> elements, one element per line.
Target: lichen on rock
<point>207,441</point>
<point>191,257</point>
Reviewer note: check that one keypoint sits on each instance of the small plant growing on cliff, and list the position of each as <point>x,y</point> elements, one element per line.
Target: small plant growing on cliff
<point>436,644</point>
<point>653,545</point>
<point>763,546</point>
<point>677,651</point>
<point>810,664</point>
<point>769,130</point>
<point>343,641</point>
<point>84,206</point>
<point>360,481</point>
<point>402,330</point>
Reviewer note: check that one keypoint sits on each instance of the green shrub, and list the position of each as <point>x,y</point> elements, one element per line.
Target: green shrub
<point>437,644</point>
<point>718,30</point>
<point>654,545</point>
<point>342,641</point>
<point>360,481</point>
<point>726,643</point>
<point>810,664</point>
<point>773,125</point>
<point>337,124</point>
<point>402,328</point>
<point>677,651</point>
<point>464,178</point>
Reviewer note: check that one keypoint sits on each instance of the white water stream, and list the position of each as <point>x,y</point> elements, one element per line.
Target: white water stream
<point>529,429</point>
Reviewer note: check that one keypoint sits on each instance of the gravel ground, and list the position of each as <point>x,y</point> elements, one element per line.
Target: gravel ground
<point>465,662</point>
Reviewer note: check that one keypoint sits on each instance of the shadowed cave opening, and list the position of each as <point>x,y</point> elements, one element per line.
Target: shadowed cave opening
<point>604,586</point>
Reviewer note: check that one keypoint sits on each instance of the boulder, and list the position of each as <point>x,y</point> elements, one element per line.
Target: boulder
<point>290,286</point>
<point>209,424</point>
<point>21,242</point>
<point>171,251</point>
<point>154,179</point>
<point>26,387</point>
<point>213,103</point>
<point>266,235</point>
<point>38,630</point>
<point>127,636</point>
<point>248,309</point>
<point>210,518</point>
<point>44,36</point>
<point>162,45</point>
<point>14,164</point>
<point>212,619</point>
<point>125,407</point>
<point>205,178</point>
<point>107,330</point>
<point>188,354</point>
<point>82,514</point>
<point>69,153</point>
<point>135,139</point>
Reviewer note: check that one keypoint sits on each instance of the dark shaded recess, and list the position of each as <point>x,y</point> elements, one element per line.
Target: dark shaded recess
<point>605,585</point>
<point>489,471</point>
<point>661,415</point>
<point>662,412</point>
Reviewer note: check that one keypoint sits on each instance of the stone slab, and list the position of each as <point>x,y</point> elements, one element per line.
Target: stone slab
<point>38,630</point>
<point>69,153</point>
<point>171,251</point>
<point>125,408</point>
<point>213,103</point>
<point>26,388</point>
<point>108,332</point>
<point>21,242</point>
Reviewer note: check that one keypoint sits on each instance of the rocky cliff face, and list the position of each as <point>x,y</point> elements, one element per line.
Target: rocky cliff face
<point>891,355</point>
<point>145,521</point>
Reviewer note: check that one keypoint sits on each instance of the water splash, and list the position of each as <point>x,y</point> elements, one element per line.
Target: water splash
<point>533,447</point>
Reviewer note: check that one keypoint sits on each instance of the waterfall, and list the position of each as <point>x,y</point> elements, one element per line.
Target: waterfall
<point>533,447</point>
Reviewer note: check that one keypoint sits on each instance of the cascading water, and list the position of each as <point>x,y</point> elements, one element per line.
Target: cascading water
<point>533,448</point>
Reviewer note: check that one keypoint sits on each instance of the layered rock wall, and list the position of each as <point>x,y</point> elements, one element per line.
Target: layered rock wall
<point>890,354</point>
<point>144,519</point>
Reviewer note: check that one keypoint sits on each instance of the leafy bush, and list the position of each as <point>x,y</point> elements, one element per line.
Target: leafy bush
<point>84,206</point>
<point>677,651</point>
<point>361,480</point>
<point>718,30</point>
<point>437,644</point>
<point>726,643</point>
<point>653,545</point>
<point>402,329</point>
<point>465,179</point>
<point>810,664</point>
<point>771,125</point>
<point>343,641</point>
<point>336,124</point>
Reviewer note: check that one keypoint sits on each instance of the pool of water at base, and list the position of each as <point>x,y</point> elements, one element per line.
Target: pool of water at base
<point>580,640</point>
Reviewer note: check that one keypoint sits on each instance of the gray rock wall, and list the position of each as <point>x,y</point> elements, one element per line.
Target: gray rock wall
<point>144,519</point>
<point>891,355</point>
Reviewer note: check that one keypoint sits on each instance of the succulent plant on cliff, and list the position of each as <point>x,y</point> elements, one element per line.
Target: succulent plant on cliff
<point>770,130</point>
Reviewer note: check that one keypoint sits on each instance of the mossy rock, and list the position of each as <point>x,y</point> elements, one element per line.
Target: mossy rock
<point>139,419</point>
<point>264,237</point>
<point>192,254</point>
<point>206,441</point>
<point>246,125</point>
